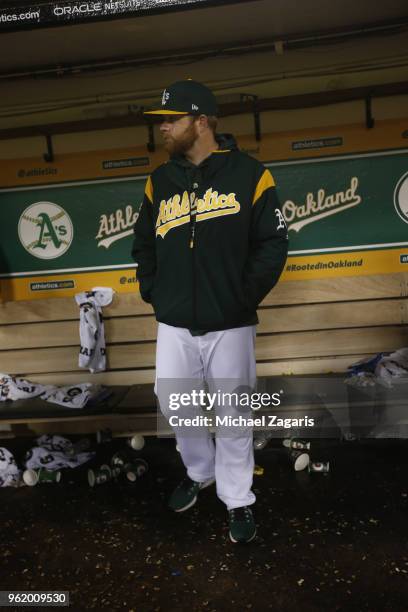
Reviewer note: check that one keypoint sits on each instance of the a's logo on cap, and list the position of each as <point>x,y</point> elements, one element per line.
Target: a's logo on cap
<point>194,107</point>
<point>165,97</point>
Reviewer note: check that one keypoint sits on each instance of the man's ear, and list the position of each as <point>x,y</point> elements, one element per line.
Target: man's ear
<point>202,121</point>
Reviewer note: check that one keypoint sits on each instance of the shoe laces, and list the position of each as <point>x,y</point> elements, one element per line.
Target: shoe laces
<point>241,514</point>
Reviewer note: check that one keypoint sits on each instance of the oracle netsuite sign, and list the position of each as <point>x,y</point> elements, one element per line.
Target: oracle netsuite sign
<point>24,14</point>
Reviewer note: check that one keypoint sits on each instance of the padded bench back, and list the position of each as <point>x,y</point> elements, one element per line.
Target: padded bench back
<point>306,327</point>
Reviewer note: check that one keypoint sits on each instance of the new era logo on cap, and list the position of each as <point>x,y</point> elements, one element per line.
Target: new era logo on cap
<point>165,97</point>
<point>186,98</point>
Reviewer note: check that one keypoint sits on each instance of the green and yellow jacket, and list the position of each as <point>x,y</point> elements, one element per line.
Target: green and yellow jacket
<point>210,240</point>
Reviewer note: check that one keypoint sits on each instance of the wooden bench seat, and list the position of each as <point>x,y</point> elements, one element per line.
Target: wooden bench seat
<point>321,397</point>
<point>306,328</point>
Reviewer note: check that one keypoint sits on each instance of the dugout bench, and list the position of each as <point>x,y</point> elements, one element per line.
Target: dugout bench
<point>313,328</point>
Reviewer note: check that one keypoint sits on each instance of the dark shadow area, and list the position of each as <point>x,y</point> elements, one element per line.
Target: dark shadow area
<point>4,269</point>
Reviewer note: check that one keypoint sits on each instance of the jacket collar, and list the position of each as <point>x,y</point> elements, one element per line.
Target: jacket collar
<point>180,170</point>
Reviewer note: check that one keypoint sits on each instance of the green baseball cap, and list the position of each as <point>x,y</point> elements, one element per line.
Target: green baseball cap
<point>186,98</point>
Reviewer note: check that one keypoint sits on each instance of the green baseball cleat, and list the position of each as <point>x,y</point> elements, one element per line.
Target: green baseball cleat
<point>242,525</point>
<point>185,494</point>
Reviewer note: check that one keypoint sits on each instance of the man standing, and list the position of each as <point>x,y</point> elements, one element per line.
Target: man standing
<point>210,243</point>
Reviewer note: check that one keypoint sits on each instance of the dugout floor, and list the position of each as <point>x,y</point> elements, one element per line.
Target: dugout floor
<point>336,542</point>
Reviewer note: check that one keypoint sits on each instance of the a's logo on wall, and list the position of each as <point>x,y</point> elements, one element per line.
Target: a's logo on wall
<point>401,198</point>
<point>45,230</point>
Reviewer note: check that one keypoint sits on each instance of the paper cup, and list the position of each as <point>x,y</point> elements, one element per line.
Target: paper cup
<point>48,476</point>
<point>99,476</point>
<point>30,477</point>
<point>135,469</point>
<point>299,459</point>
<point>136,442</point>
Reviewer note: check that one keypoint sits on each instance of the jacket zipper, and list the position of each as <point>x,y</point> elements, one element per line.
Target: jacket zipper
<point>193,215</point>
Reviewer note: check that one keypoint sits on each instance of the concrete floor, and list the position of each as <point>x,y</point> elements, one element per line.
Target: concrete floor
<point>336,542</point>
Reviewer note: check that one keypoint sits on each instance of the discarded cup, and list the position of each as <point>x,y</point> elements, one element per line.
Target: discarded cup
<point>33,477</point>
<point>120,459</point>
<point>296,444</point>
<point>319,467</point>
<point>136,442</point>
<point>135,469</point>
<point>116,471</point>
<point>299,459</point>
<point>99,475</point>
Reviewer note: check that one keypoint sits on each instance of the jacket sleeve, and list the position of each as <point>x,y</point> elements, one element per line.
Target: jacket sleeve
<point>144,245</point>
<point>268,242</point>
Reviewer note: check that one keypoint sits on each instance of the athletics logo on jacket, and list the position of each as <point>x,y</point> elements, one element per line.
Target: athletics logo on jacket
<point>176,210</point>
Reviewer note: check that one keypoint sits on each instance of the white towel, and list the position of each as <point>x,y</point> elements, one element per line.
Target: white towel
<point>92,353</point>
<point>10,475</point>
<point>73,396</point>
<point>12,388</point>
<point>51,453</point>
<point>393,366</point>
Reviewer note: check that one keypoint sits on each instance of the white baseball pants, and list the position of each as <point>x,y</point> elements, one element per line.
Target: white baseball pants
<point>221,359</point>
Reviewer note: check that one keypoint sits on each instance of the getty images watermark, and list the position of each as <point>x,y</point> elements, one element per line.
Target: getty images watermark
<point>227,407</point>
<point>219,399</point>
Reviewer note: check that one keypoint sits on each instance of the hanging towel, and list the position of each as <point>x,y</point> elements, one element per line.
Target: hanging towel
<point>92,353</point>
